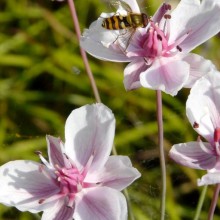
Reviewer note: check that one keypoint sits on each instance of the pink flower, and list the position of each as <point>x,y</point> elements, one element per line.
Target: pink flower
<point>81,180</point>
<point>203,111</point>
<point>159,53</point>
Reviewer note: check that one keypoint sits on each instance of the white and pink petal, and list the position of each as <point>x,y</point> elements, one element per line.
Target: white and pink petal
<point>100,203</point>
<point>132,73</point>
<point>97,41</point>
<point>209,179</point>
<point>58,211</point>
<point>203,105</point>
<point>201,19</point>
<point>89,133</point>
<point>117,173</point>
<point>199,67</point>
<point>56,152</point>
<point>196,155</point>
<point>27,185</point>
<point>167,75</point>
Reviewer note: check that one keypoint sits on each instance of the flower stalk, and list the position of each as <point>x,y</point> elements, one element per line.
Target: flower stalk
<point>200,203</point>
<point>214,202</point>
<point>83,53</point>
<point>162,157</point>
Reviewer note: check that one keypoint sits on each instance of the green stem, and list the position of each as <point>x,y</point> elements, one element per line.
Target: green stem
<point>200,203</point>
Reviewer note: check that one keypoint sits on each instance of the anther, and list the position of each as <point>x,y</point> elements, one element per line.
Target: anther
<point>179,48</point>
<point>195,125</point>
<point>167,6</point>
<point>159,37</point>
<point>38,152</point>
<point>167,16</point>
<point>41,201</point>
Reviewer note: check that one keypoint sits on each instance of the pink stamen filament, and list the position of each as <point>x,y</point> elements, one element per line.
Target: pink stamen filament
<point>69,179</point>
<point>157,40</point>
<point>217,140</point>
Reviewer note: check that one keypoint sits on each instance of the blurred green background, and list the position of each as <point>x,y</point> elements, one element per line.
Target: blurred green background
<point>42,79</point>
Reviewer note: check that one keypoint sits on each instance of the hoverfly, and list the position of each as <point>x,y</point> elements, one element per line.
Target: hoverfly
<point>129,23</point>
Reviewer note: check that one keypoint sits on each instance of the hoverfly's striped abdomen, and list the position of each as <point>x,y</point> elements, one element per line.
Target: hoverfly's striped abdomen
<point>132,20</point>
<point>117,22</point>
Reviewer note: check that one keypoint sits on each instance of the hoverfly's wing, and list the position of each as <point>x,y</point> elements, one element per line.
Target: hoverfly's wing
<point>120,4</point>
<point>124,38</point>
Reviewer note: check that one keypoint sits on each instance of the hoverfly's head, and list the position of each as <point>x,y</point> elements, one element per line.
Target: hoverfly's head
<point>145,19</point>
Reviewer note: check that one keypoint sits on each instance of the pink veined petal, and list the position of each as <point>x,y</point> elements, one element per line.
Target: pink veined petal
<point>96,41</point>
<point>24,186</point>
<point>203,105</point>
<point>198,67</point>
<point>89,132</point>
<point>132,73</point>
<point>55,151</point>
<point>209,179</point>
<point>100,203</point>
<point>165,74</point>
<point>200,18</point>
<point>58,211</point>
<point>193,155</point>
<point>117,173</point>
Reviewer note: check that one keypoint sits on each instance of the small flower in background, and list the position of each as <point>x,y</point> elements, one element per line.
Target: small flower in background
<point>159,53</point>
<point>81,180</point>
<point>203,111</point>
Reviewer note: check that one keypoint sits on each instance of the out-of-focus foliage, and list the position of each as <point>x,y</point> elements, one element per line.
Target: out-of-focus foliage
<point>42,79</point>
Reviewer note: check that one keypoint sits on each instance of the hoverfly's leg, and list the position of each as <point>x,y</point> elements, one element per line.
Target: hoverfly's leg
<point>129,40</point>
<point>119,35</point>
<point>125,38</point>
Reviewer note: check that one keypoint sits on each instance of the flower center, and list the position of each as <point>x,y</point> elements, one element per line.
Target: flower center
<point>70,181</point>
<point>155,42</point>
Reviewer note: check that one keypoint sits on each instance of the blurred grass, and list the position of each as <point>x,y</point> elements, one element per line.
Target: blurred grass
<point>42,79</point>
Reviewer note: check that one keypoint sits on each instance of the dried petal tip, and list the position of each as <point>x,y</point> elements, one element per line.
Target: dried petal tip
<point>38,152</point>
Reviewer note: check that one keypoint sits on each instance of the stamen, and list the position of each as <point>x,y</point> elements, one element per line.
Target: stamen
<point>178,41</point>
<point>217,135</point>
<point>41,201</point>
<point>195,125</point>
<point>71,201</point>
<point>167,16</point>
<point>179,48</point>
<point>159,37</point>
<point>167,6</point>
<point>43,160</point>
<point>86,168</point>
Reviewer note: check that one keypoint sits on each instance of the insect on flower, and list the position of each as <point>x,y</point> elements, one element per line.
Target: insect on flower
<point>127,23</point>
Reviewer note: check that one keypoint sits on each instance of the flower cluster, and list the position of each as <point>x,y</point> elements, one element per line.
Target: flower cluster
<point>80,180</point>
